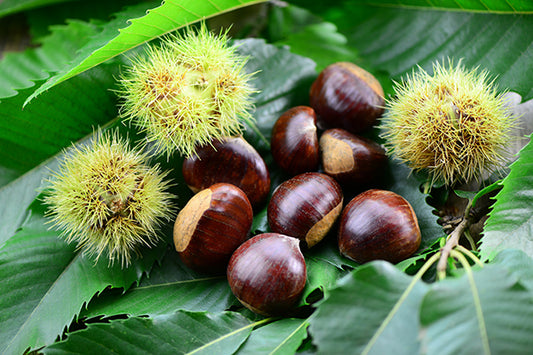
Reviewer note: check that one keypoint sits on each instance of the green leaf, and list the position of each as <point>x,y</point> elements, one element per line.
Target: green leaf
<point>518,263</point>
<point>485,312</point>
<point>373,310</point>
<point>46,282</point>
<point>8,7</point>
<point>171,286</point>
<point>283,79</point>
<point>63,115</point>
<point>171,15</point>
<point>321,275</point>
<point>20,70</point>
<point>280,337</point>
<point>510,222</point>
<point>178,333</point>
<point>397,39</point>
<point>501,6</point>
<point>17,196</point>
<point>306,35</point>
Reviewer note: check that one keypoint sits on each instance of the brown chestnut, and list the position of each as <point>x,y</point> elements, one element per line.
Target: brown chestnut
<point>378,224</point>
<point>211,226</point>
<point>294,142</point>
<point>305,207</point>
<point>346,96</point>
<point>232,160</point>
<point>267,273</point>
<point>351,159</point>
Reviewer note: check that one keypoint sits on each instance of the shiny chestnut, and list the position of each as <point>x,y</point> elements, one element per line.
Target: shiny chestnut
<point>351,159</point>
<point>211,226</point>
<point>231,160</point>
<point>305,207</point>
<point>267,274</point>
<point>346,96</point>
<point>294,142</point>
<point>378,224</point>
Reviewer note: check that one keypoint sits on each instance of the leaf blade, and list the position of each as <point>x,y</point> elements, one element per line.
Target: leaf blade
<point>155,23</point>
<point>510,224</point>
<point>448,314</point>
<point>177,333</point>
<point>372,310</point>
<point>65,279</point>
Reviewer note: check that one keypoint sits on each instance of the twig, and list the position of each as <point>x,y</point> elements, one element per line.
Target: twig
<point>453,240</point>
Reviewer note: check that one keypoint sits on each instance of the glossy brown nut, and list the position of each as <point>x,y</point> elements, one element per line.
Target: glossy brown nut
<point>233,161</point>
<point>267,274</point>
<point>347,96</point>
<point>305,207</point>
<point>351,159</point>
<point>378,224</point>
<point>294,142</point>
<point>211,226</point>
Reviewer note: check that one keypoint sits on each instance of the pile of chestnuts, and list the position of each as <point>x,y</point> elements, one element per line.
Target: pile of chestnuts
<point>322,150</point>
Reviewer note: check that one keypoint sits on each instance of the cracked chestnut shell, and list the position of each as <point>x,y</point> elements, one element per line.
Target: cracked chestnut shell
<point>294,142</point>
<point>267,274</point>
<point>211,226</point>
<point>351,159</point>
<point>305,207</point>
<point>378,224</point>
<point>346,96</point>
<point>231,160</point>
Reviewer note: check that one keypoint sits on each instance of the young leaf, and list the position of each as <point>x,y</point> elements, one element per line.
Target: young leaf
<point>484,312</point>
<point>175,333</point>
<point>171,15</point>
<point>280,337</point>
<point>45,281</point>
<point>510,223</point>
<point>373,310</point>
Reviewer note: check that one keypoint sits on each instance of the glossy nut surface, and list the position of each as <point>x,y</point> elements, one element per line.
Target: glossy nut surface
<point>233,161</point>
<point>294,142</point>
<point>305,207</point>
<point>378,224</point>
<point>351,159</point>
<point>267,274</point>
<point>211,226</point>
<point>347,96</point>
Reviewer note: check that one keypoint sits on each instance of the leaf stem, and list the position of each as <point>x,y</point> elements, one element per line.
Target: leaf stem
<point>471,255</point>
<point>477,302</point>
<point>452,241</point>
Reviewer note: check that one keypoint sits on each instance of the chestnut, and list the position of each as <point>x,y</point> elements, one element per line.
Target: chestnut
<point>378,224</point>
<point>346,96</point>
<point>305,207</point>
<point>351,159</point>
<point>211,226</point>
<point>267,273</point>
<point>294,142</point>
<point>231,160</point>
